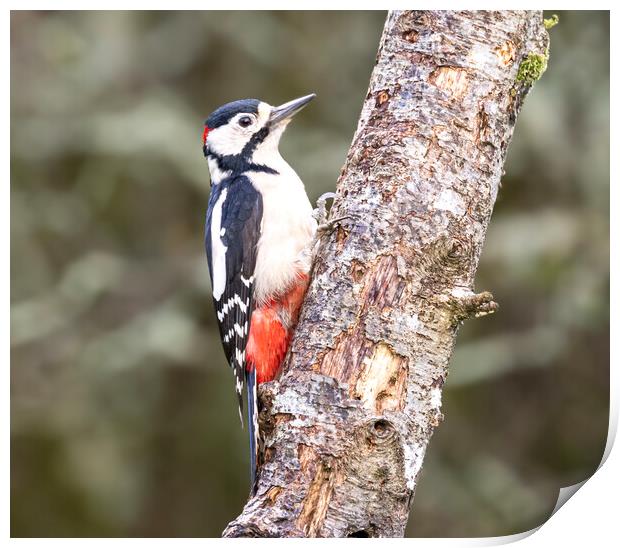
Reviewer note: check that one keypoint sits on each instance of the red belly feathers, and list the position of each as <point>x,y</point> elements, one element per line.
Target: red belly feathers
<point>271,329</point>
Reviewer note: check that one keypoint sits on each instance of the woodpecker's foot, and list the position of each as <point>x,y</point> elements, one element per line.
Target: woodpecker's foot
<point>320,213</point>
<point>329,226</point>
<point>325,226</point>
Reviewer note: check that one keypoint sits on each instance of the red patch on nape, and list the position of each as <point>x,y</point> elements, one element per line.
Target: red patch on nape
<point>205,132</point>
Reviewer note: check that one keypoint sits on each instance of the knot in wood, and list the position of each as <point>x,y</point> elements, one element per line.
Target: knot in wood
<point>456,250</point>
<point>454,259</point>
<point>381,431</point>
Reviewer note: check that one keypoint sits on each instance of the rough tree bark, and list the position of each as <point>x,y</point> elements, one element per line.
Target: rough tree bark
<point>347,424</point>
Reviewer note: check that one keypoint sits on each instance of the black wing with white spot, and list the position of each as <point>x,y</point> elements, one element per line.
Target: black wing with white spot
<point>231,238</point>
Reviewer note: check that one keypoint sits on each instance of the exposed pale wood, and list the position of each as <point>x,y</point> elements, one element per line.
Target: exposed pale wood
<point>347,425</point>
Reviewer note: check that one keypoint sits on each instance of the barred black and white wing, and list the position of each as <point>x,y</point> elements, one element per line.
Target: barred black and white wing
<point>231,236</point>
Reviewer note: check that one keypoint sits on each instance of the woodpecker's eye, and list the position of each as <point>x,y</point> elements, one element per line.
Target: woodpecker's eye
<point>244,121</point>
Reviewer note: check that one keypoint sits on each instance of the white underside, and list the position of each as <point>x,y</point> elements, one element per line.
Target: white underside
<point>287,231</point>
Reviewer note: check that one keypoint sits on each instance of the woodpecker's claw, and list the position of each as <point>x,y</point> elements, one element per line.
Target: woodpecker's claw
<point>325,226</point>
<point>320,213</point>
<point>329,226</point>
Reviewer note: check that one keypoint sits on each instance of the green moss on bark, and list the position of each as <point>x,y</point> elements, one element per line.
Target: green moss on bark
<point>532,68</point>
<point>551,21</point>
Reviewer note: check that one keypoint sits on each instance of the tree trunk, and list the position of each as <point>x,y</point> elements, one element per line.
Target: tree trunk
<point>347,424</point>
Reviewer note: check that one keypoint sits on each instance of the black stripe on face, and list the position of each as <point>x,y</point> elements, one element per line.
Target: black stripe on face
<point>242,162</point>
<point>254,141</point>
<point>238,164</point>
<point>222,115</point>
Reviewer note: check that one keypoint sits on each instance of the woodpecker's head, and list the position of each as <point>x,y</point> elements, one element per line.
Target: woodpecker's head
<point>241,135</point>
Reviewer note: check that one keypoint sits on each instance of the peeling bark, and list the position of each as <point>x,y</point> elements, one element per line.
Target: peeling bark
<point>347,424</point>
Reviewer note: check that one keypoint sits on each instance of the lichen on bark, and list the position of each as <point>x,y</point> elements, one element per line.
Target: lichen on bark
<point>532,68</point>
<point>347,424</point>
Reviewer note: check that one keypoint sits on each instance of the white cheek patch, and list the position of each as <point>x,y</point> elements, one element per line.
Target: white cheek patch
<point>218,249</point>
<point>229,139</point>
<point>225,141</point>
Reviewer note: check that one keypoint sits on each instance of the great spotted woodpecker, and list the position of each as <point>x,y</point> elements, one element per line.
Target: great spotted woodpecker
<point>260,231</point>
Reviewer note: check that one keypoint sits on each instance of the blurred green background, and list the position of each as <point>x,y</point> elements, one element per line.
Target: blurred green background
<point>123,414</point>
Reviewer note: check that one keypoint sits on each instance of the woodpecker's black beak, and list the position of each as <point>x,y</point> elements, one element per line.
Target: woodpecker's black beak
<point>288,110</point>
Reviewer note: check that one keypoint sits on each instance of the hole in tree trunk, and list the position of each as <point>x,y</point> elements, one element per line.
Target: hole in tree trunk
<point>381,426</point>
<point>359,534</point>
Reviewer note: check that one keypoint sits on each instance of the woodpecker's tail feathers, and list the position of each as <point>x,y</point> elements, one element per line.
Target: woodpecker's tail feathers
<point>250,377</point>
